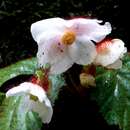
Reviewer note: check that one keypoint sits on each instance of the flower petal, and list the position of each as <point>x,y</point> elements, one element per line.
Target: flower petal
<point>42,106</point>
<point>63,65</point>
<point>115,50</point>
<point>83,51</point>
<point>116,65</point>
<point>44,109</point>
<point>90,27</point>
<point>17,91</point>
<point>28,88</point>
<point>54,53</point>
<point>38,29</point>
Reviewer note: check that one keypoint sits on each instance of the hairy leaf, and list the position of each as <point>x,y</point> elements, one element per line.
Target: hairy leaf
<point>113,94</point>
<point>15,116</point>
<point>27,66</point>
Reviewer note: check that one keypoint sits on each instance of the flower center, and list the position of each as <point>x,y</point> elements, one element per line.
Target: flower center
<point>33,97</point>
<point>68,38</point>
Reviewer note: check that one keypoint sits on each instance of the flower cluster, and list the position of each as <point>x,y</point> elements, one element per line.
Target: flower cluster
<point>61,43</point>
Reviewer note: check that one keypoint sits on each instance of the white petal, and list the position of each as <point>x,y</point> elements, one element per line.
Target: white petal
<point>42,106</point>
<point>59,62</point>
<point>38,29</point>
<point>44,109</point>
<point>17,91</point>
<point>116,51</point>
<point>116,65</point>
<point>54,53</point>
<point>100,31</point>
<point>28,88</point>
<point>63,65</point>
<point>91,28</point>
<point>83,51</point>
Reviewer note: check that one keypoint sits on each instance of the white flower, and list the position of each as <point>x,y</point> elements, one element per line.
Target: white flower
<point>61,43</point>
<point>109,53</point>
<point>35,99</point>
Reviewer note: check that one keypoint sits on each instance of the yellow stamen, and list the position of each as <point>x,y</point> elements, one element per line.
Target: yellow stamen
<point>68,38</point>
<point>34,98</point>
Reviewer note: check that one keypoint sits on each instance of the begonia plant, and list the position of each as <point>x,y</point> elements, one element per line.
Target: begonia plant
<point>62,43</point>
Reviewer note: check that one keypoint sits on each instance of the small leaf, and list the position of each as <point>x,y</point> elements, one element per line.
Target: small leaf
<point>112,94</point>
<point>27,66</point>
<point>13,116</point>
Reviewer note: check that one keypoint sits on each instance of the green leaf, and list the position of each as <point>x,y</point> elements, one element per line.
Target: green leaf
<point>57,83</point>
<point>15,116</point>
<point>27,66</point>
<point>2,96</point>
<point>112,94</point>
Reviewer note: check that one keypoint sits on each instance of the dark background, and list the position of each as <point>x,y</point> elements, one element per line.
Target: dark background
<point>71,110</point>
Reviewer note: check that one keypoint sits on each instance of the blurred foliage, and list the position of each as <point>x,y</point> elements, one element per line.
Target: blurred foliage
<point>2,96</point>
<point>16,17</point>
